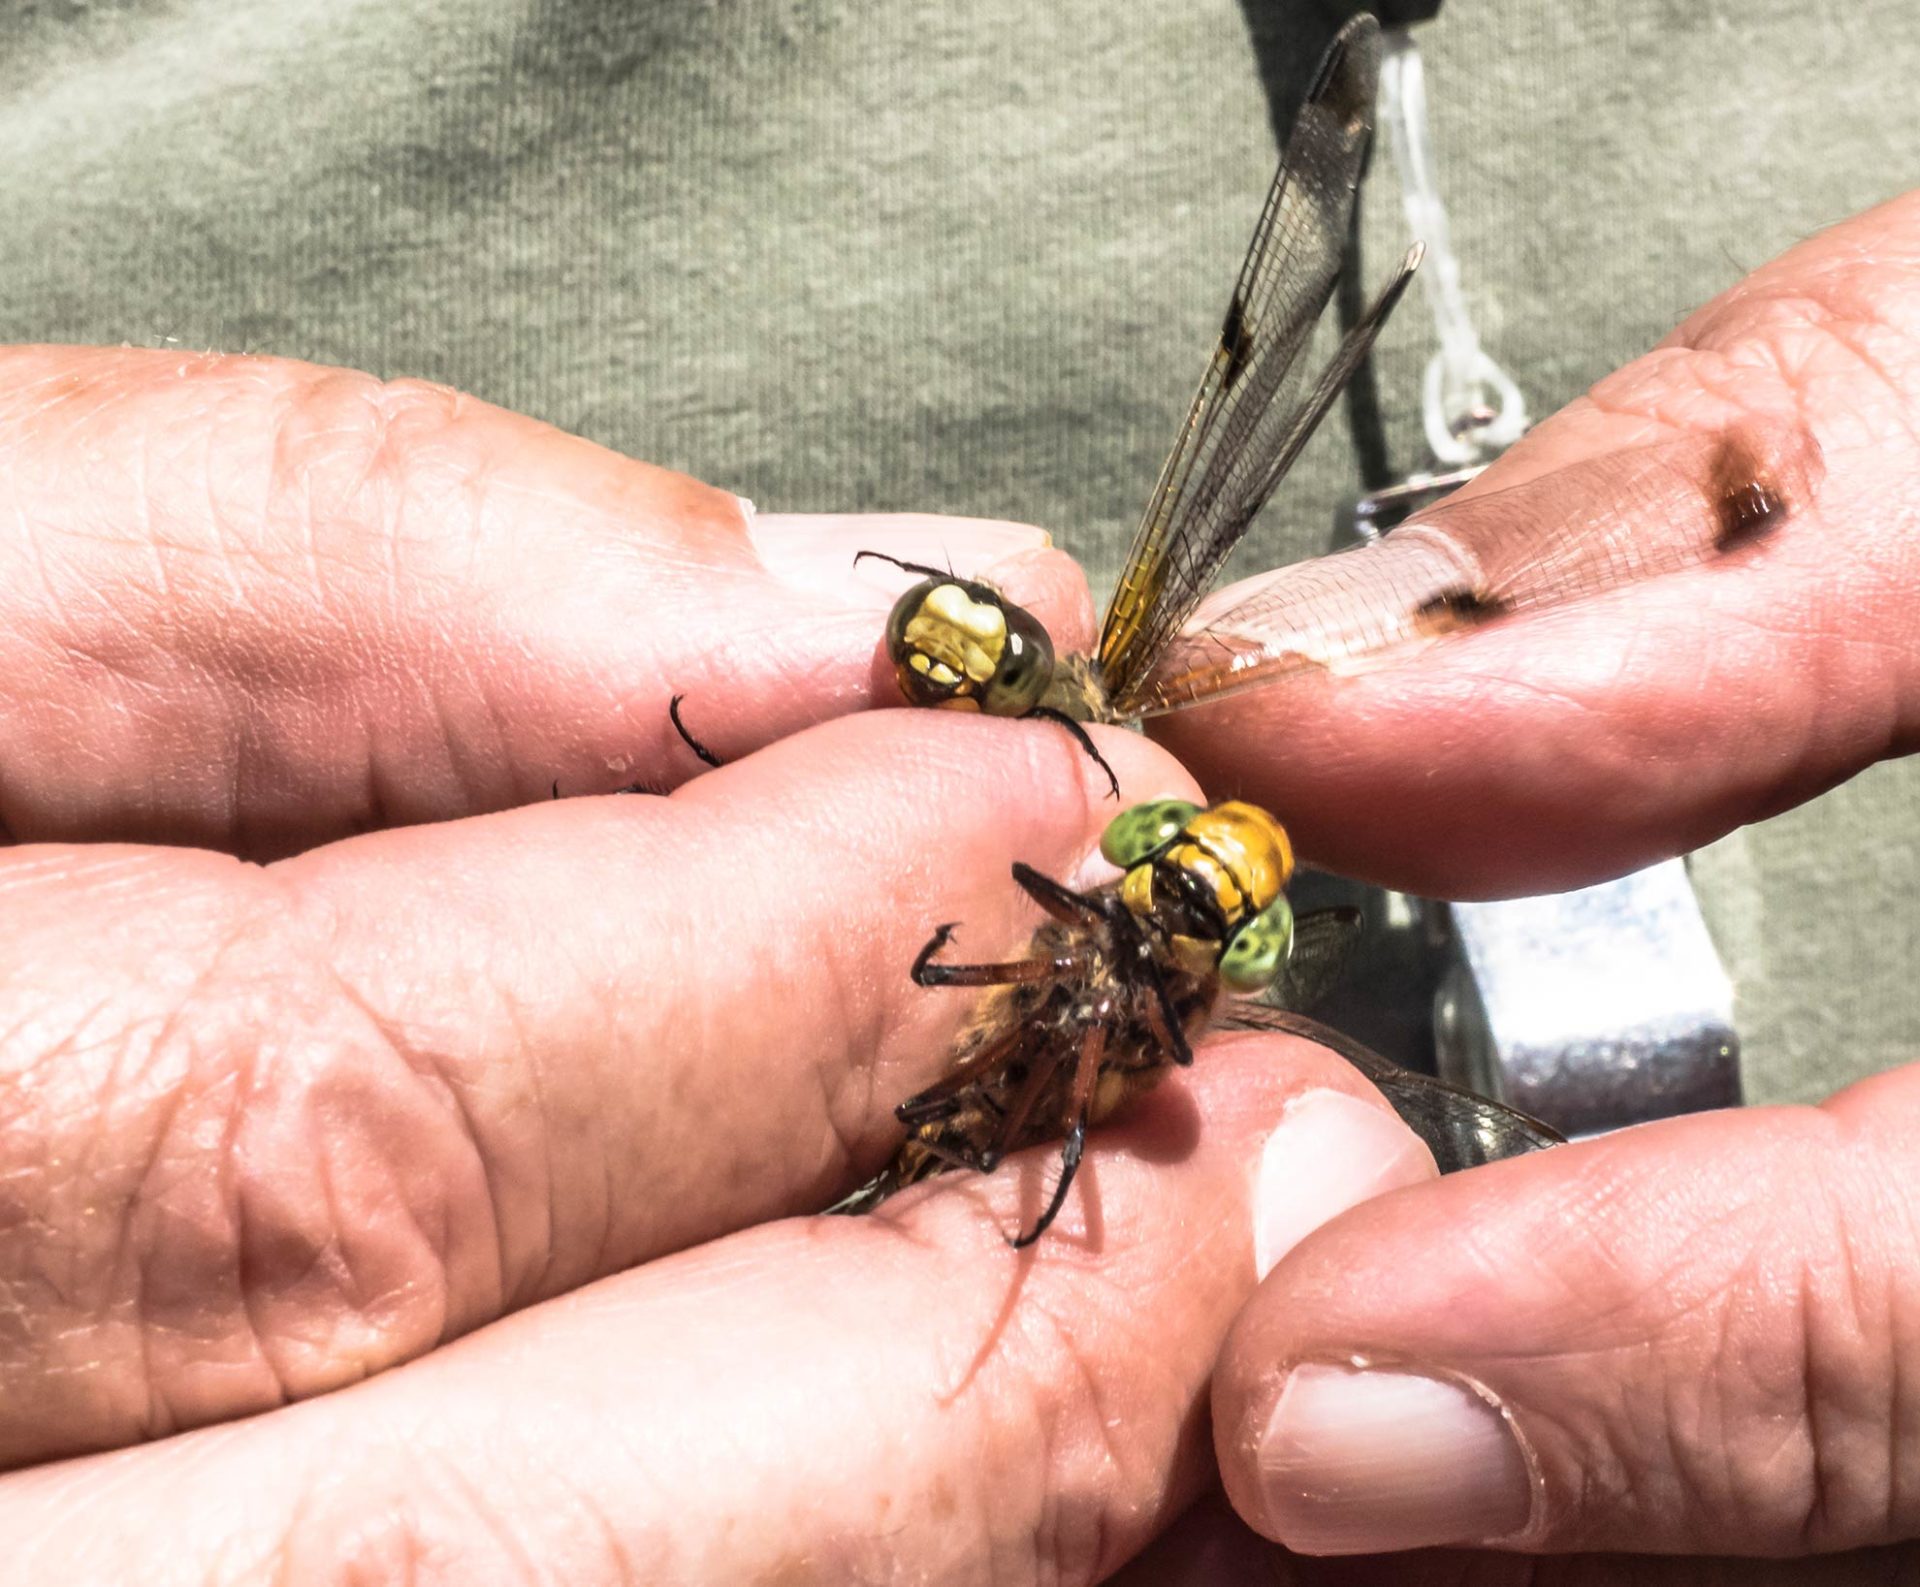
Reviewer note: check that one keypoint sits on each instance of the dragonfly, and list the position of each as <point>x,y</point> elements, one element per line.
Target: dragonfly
<point>1469,561</point>
<point>1118,980</point>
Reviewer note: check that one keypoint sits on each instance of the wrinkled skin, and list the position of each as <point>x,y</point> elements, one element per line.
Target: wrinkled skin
<point>338,1061</point>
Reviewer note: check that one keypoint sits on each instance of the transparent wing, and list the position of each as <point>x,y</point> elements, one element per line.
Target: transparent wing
<point>1461,1128</point>
<point>1634,515</point>
<point>1323,942</point>
<point>1240,436</point>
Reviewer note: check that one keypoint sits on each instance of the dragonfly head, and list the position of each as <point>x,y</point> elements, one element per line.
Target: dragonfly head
<point>1218,874</point>
<point>957,643</point>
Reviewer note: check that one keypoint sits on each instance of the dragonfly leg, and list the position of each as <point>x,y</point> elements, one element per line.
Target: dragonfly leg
<point>1163,1020</point>
<point>1063,903</point>
<point>680,727</point>
<point>955,1156</point>
<point>1047,713</point>
<point>1008,973</point>
<point>1093,1049</point>
<point>929,1104</point>
<point>921,568</point>
<point>1013,1121</point>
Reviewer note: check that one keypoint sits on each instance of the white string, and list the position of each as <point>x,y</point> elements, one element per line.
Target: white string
<point>1470,407</point>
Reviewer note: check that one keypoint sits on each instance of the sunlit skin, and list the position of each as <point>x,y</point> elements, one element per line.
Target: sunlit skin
<point>358,1128</point>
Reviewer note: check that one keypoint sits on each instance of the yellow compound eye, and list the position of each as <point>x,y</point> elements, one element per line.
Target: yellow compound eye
<point>1250,845</point>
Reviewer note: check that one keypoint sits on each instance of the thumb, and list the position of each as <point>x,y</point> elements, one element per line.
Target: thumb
<point>1567,743</point>
<point>1685,1338</point>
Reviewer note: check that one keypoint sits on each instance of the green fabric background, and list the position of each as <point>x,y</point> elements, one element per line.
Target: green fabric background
<point>961,257</point>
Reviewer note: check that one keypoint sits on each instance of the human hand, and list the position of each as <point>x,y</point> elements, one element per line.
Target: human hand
<point>1555,748</point>
<point>1689,1338</point>
<point>433,1173</point>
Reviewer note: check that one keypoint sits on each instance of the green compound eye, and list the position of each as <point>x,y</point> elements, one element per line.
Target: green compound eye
<point>1026,667</point>
<point>1258,949</point>
<point>1142,832</point>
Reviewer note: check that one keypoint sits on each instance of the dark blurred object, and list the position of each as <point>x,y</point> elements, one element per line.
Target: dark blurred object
<point>1385,996</point>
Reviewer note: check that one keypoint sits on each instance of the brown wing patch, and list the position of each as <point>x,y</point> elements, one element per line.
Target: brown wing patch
<point>1557,538</point>
<point>1235,344</point>
<point>1459,608</point>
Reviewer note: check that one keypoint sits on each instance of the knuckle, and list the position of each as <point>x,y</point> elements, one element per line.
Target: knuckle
<point>247,1193</point>
<point>363,1228</point>
<point>1093,1463</point>
<point>1759,1401</point>
<point>350,449</point>
<point>1836,340</point>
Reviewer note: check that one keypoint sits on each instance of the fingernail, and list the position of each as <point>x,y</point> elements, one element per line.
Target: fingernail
<point>1362,1461</point>
<point>1328,1153</point>
<point>815,551</point>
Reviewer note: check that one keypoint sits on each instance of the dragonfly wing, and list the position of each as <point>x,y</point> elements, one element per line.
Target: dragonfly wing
<point>1323,942</point>
<point>1239,436</point>
<point>1461,1128</point>
<point>1555,539</point>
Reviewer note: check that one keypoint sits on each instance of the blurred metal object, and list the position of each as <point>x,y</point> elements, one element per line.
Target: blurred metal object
<point>1591,1009</point>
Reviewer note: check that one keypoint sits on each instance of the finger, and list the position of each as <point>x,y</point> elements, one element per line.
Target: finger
<point>268,1131</point>
<point>1210,1546</point>
<point>253,604</point>
<point>899,1397</point>
<point>1688,1337</point>
<point>1552,749</point>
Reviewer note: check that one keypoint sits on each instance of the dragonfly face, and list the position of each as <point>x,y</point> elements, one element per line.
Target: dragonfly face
<point>1115,983</point>
<point>959,644</point>
<point>1213,878</point>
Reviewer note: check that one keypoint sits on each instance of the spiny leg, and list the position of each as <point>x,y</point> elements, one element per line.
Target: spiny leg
<point>1012,972</point>
<point>921,568</point>
<point>692,743</point>
<point>1164,1020</point>
<point>1063,903</point>
<point>953,1156</point>
<point>1047,713</point>
<point>1093,1048</point>
<point>923,1105</point>
<point>1014,1121</point>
